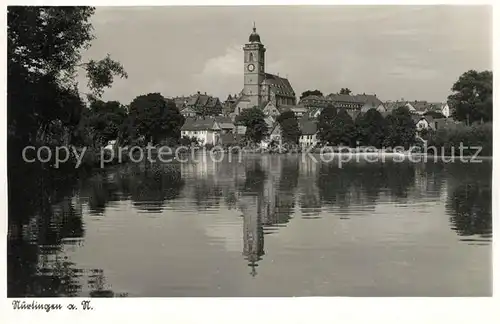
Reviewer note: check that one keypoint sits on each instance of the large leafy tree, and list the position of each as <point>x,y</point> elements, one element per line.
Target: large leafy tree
<point>155,118</point>
<point>253,120</point>
<point>401,129</point>
<point>371,128</point>
<point>104,120</point>
<point>343,129</point>
<point>290,130</point>
<point>43,54</point>
<point>336,128</point>
<point>325,123</point>
<point>472,97</point>
<point>311,93</point>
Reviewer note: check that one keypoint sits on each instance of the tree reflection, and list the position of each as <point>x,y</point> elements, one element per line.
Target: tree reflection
<point>285,193</point>
<point>152,187</point>
<point>470,208</point>
<point>148,186</point>
<point>362,183</point>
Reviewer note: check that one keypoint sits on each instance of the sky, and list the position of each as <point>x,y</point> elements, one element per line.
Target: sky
<point>395,52</point>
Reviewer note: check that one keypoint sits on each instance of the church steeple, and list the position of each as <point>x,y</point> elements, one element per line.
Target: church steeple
<point>254,37</point>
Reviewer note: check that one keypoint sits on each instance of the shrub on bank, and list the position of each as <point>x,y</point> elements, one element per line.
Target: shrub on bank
<point>470,136</point>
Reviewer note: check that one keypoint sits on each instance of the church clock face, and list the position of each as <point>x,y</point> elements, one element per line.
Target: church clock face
<point>251,67</point>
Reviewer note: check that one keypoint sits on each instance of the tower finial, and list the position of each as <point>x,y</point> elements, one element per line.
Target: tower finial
<point>254,29</point>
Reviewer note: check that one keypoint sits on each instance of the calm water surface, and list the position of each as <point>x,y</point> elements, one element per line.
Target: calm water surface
<point>269,225</point>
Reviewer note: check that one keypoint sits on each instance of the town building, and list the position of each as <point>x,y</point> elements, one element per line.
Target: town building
<point>205,130</point>
<point>353,104</point>
<point>420,107</point>
<point>199,105</point>
<point>424,122</point>
<point>309,132</point>
<point>208,130</point>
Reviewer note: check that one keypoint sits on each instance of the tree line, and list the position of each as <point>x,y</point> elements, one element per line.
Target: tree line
<point>337,127</point>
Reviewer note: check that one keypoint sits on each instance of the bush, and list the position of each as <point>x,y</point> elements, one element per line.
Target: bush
<point>471,136</point>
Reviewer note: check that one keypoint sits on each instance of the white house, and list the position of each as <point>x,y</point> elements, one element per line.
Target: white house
<point>205,130</point>
<point>309,133</point>
<point>424,122</point>
<point>445,110</point>
<point>269,109</point>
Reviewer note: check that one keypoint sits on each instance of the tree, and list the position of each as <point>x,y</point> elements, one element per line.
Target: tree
<point>104,121</point>
<point>325,123</point>
<point>311,93</point>
<point>253,120</point>
<point>154,118</point>
<point>371,128</point>
<point>43,49</point>
<point>345,91</point>
<point>472,97</point>
<point>401,128</point>
<point>290,130</point>
<point>343,129</point>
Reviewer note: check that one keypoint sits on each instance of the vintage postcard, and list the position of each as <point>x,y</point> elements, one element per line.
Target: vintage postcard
<point>247,151</point>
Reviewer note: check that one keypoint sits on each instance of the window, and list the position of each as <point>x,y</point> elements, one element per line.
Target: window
<point>250,57</point>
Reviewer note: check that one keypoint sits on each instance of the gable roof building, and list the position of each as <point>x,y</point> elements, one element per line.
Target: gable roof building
<point>204,104</point>
<point>200,124</point>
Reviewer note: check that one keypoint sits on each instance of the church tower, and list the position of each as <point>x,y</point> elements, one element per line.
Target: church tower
<point>253,65</point>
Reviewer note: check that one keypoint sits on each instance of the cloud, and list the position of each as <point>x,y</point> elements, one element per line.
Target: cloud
<point>222,74</point>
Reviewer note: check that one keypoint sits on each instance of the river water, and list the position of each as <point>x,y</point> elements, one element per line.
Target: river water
<point>268,225</point>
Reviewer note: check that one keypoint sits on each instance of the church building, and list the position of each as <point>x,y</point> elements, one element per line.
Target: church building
<point>261,88</point>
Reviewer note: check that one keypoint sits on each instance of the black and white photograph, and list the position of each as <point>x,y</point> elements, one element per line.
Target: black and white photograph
<point>248,151</point>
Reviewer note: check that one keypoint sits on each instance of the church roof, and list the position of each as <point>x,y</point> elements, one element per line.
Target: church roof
<point>280,86</point>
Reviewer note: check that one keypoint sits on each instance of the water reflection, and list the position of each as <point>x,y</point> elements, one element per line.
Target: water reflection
<point>47,214</point>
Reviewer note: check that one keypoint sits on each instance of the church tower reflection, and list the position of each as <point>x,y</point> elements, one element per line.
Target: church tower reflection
<point>253,232</point>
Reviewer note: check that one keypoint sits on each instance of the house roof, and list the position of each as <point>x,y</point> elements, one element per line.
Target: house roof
<point>224,122</point>
<point>180,102</point>
<point>420,105</point>
<point>314,97</point>
<point>263,104</point>
<point>314,111</point>
<point>417,118</point>
<point>280,86</point>
<point>198,124</point>
<point>429,119</point>
<point>393,105</point>
<point>308,126</point>
<point>294,108</point>
<point>202,100</point>
<point>187,110</point>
